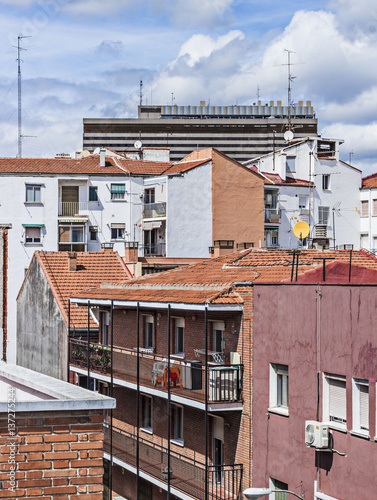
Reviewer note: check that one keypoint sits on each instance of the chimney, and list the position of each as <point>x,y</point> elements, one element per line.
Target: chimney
<point>102,157</point>
<point>107,247</point>
<point>72,261</point>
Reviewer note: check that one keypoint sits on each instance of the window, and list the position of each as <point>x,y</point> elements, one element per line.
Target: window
<point>105,322</point>
<point>148,332</point>
<point>364,208</point>
<point>326,182</point>
<point>218,341</point>
<point>323,215</point>
<point>303,202</point>
<point>149,195</point>
<point>117,231</point>
<point>360,406</point>
<point>179,330</point>
<point>177,424</point>
<point>275,484</point>
<point>93,193</point>
<point>290,164</point>
<point>334,400</point>
<point>72,237</point>
<point>117,191</point>
<point>279,388</point>
<point>32,235</point>
<point>146,408</point>
<point>33,194</point>
<point>364,240</point>
<point>93,230</point>
<point>374,207</point>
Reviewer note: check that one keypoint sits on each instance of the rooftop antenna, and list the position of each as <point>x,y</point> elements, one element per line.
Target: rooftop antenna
<point>19,48</point>
<point>290,80</point>
<point>351,153</point>
<point>141,92</point>
<point>172,98</point>
<point>258,93</point>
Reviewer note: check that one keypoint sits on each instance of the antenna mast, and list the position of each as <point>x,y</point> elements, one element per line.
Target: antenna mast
<point>19,48</point>
<point>290,79</point>
<point>141,92</point>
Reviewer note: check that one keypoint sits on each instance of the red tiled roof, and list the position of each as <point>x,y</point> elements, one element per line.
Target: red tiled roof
<point>276,179</point>
<point>88,165</point>
<point>92,269</point>
<point>181,166</point>
<point>214,279</point>
<point>369,182</point>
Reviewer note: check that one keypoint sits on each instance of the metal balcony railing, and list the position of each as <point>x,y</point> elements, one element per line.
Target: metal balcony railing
<point>272,215</point>
<point>186,474</point>
<point>187,378</point>
<point>157,250</point>
<point>152,210</point>
<point>72,208</point>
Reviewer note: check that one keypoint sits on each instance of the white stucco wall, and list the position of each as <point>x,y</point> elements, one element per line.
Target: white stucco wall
<point>368,224</point>
<point>189,213</point>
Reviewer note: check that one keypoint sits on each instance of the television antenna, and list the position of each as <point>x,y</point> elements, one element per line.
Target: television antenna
<point>20,136</point>
<point>141,92</point>
<point>290,80</point>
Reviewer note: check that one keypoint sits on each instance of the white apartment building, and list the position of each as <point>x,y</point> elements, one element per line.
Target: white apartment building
<point>68,205</point>
<point>368,213</point>
<point>307,181</point>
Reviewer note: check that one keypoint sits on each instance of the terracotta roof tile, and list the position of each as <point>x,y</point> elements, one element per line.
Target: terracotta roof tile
<point>215,279</point>
<point>92,269</point>
<point>277,180</point>
<point>370,181</point>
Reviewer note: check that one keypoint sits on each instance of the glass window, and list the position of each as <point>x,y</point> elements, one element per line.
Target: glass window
<point>275,484</point>
<point>149,195</point>
<point>146,407</point>
<point>33,194</point>
<point>303,202</point>
<point>148,331</point>
<point>291,164</point>
<point>117,191</point>
<point>325,182</point>
<point>117,231</point>
<point>177,421</point>
<point>323,215</point>
<point>32,235</point>
<point>334,399</point>
<point>360,405</point>
<point>179,336</point>
<point>72,238</point>
<point>279,387</point>
<point>93,193</point>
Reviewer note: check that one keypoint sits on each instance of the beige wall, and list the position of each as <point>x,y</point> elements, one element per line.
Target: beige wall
<point>237,202</point>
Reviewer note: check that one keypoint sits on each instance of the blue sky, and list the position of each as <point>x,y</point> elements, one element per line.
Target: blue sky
<point>85,58</point>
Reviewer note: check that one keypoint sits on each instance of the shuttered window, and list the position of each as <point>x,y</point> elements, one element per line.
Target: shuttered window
<point>374,207</point>
<point>117,191</point>
<point>364,208</point>
<point>360,405</point>
<point>337,403</point>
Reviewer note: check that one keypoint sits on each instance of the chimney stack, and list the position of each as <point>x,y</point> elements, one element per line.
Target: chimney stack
<point>102,157</point>
<point>72,261</point>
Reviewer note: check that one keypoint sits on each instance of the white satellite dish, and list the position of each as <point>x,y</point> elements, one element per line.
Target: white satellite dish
<point>288,135</point>
<point>85,153</point>
<point>138,145</point>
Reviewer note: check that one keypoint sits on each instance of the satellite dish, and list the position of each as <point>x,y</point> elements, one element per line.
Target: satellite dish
<point>301,230</point>
<point>288,135</point>
<point>138,145</point>
<point>85,153</point>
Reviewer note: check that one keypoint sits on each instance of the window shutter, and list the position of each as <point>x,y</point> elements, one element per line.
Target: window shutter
<point>118,188</point>
<point>364,406</point>
<point>374,207</point>
<point>119,225</point>
<point>338,402</point>
<point>364,208</point>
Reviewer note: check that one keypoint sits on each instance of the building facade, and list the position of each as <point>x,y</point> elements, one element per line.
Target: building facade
<point>306,181</point>
<point>368,213</point>
<point>242,132</point>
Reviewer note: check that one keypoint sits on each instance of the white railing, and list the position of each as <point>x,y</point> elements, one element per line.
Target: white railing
<point>72,208</point>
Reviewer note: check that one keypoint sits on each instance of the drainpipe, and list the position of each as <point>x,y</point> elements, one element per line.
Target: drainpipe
<point>206,404</point>
<point>88,347</point>
<point>137,400</point>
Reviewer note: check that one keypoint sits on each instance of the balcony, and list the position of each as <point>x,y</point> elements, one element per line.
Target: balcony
<point>158,250</point>
<point>72,208</point>
<point>187,475</point>
<point>187,378</point>
<point>152,210</point>
<point>272,215</point>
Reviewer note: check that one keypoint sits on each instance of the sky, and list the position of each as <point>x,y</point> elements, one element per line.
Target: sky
<point>85,59</point>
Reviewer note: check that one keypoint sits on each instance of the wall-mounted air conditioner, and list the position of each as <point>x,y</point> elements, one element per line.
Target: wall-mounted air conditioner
<point>316,434</point>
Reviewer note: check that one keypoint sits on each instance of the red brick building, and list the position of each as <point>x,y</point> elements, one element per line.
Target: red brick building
<point>51,437</point>
<point>176,350</point>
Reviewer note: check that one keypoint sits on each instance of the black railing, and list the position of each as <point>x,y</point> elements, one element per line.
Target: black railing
<point>186,474</point>
<point>187,378</point>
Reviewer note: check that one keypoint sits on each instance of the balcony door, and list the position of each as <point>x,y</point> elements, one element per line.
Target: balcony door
<point>217,449</point>
<point>70,200</point>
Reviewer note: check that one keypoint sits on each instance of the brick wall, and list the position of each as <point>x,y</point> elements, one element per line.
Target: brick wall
<point>56,456</point>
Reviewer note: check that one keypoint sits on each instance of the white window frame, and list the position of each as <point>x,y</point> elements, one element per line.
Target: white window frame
<point>360,404</point>
<point>178,437</point>
<point>218,329</point>
<point>321,219</point>
<point>290,162</point>
<point>327,381</point>
<point>326,182</point>
<point>364,208</point>
<point>34,188</point>
<point>117,195</point>
<point>179,324</point>
<point>147,428</point>
<point>278,372</point>
<point>276,495</point>
<point>33,240</point>
<point>119,231</point>
<point>301,198</point>
<point>148,320</point>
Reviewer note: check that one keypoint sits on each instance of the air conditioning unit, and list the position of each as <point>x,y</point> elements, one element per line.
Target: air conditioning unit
<point>268,199</point>
<point>316,434</point>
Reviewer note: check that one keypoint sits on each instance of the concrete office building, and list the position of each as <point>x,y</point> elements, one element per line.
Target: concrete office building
<point>242,132</point>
